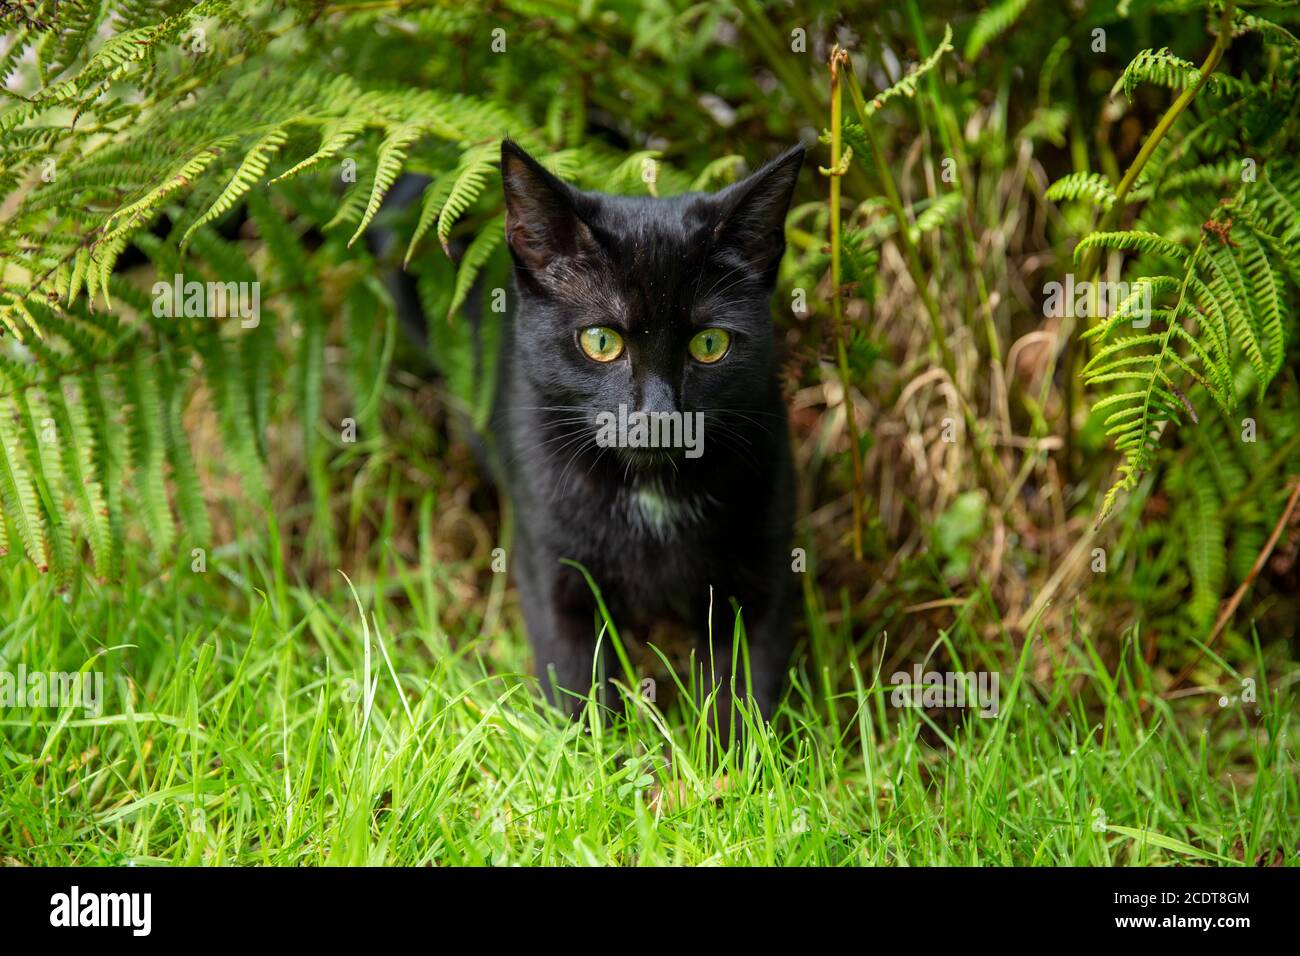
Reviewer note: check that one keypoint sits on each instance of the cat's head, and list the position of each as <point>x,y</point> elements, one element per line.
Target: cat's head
<point>658,305</point>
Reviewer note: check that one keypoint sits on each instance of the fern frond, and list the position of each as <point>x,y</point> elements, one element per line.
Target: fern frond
<point>992,23</point>
<point>17,490</point>
<point>1092,187</point>
<point>942,211</point>
<point>148,450</point>
<point>431,203</point>
<point>130,216</point>
<point>1244,22</point>
<point>1142,290</point>
<point>471,178</point>
<point>235,412</point>
<point>1132,241</point>
<point>336,135</point>
<point>51,485</point>
<point>908,84</point>
<point>476,256</point>
<point>629,175</point>
<point>718,172</point>
<point>1159,68</point>
<point>250,170</point>
<point>392,154</point>
<point>1267,299</point>
<point>1137,436</point>
<point>1227,286</point>
<point>78,447</point>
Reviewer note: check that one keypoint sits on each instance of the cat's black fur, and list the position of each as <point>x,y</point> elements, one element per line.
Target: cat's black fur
<point>657,270</point>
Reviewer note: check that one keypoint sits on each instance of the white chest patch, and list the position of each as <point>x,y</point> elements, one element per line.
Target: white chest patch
<point>658,512</point>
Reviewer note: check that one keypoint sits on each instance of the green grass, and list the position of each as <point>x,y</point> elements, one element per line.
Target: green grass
<point>238,729</point>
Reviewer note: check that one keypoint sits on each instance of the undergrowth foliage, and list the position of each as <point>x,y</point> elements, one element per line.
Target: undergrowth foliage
<point>239,144</point>
<point>1213,249</point>
<point>135,129</point>
<point>166,162</point>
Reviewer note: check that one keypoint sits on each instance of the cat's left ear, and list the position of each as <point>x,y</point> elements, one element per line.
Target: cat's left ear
<point>752,212</point>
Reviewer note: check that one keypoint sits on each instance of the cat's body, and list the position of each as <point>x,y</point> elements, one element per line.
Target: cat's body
<point>662,533</point>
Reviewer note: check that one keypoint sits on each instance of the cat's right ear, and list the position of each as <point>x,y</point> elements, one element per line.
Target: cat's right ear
<point>541,222</point>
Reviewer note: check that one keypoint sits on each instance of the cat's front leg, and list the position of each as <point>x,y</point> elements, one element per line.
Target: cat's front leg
<point>759,676</point>
<point>771,641</point>
<point>563,636</point>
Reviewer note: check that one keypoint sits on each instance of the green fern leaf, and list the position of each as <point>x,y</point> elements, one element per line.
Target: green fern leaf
<point>476,256</point>
<point>17,491</point>
<point>148,449</point>
<point>475,167</point>
<point>431,203</point>
<point>334,137</point>
<point>391,157</point>
<point>51,483</point>
<point>190,505</point>
<point>78,448</point>
<point>246,176</point>
<point>1132,241</point>
<point>719,172</point>
<point>992,23</point>
<point>942,211</point>
<point>1092,187</point>
<point>1160,68</point>
<point>908,84</point>
<point>130,216</point>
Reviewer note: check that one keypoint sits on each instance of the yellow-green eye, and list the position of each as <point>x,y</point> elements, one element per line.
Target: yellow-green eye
<point>600,343</point>
<point>710,345</point>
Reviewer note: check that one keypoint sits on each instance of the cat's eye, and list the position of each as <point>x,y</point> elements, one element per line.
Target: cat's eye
<point>601,344</point>
<point>710,345</point>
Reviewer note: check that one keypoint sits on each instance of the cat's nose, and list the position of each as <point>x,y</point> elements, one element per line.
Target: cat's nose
<point>657,395</point>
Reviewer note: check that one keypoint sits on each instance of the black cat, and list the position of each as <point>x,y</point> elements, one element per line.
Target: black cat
<point>639,305</point>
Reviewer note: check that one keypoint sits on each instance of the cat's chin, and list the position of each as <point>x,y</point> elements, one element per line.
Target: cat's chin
<point>651,460</point>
